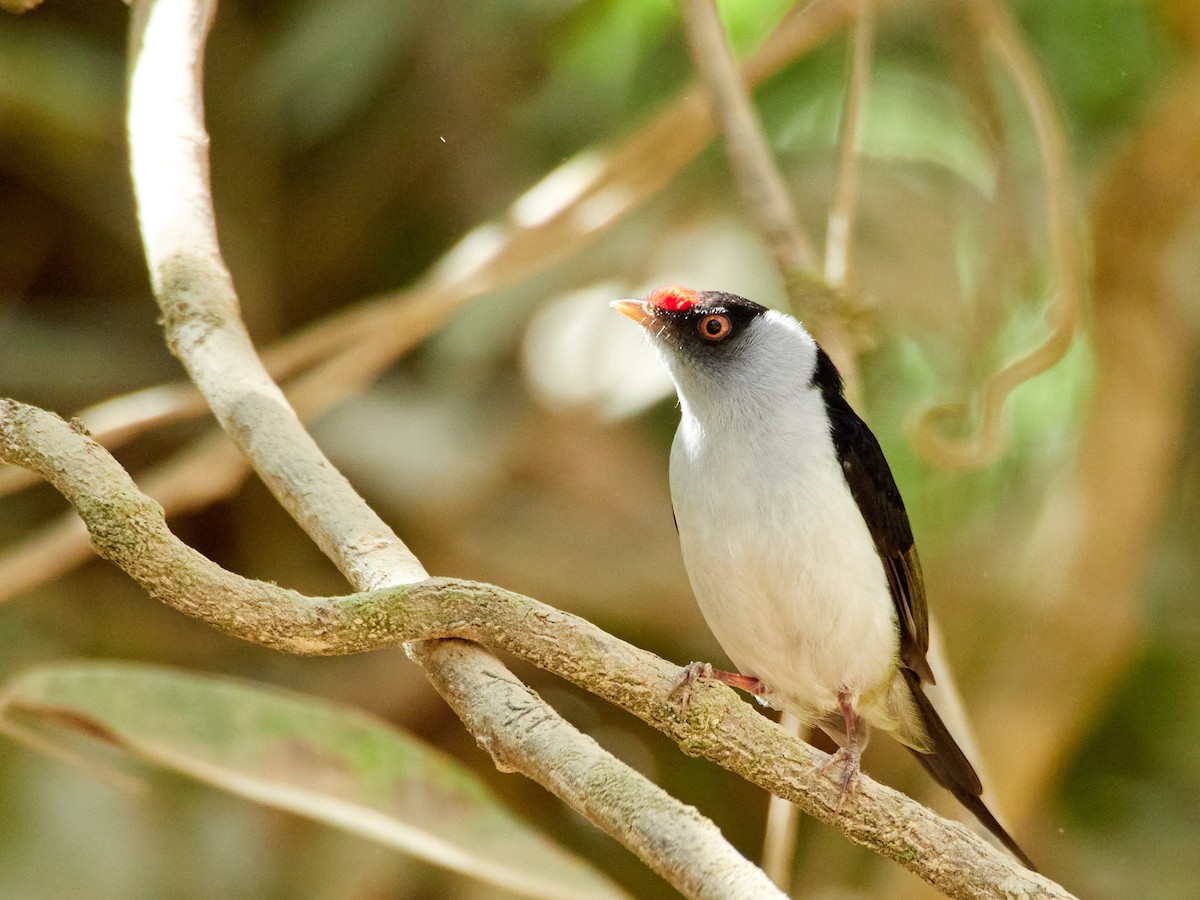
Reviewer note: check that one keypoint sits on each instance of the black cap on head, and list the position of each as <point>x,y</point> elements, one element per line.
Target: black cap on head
<point>700,319</point>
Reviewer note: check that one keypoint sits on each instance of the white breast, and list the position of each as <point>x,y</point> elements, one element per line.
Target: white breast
<point>779,557</point>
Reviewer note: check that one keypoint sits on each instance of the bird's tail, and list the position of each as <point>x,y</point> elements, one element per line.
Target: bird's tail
<point>949,766</point>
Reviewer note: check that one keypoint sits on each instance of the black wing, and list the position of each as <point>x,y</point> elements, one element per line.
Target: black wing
<point>874,490</point>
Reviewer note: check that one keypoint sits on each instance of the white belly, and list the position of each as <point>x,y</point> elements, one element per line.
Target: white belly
<point>784,568</point>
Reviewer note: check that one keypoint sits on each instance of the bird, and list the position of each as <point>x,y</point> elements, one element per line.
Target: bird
<point>795,537</point>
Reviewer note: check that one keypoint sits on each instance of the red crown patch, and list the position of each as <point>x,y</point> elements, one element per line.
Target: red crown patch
<point>673,299</point>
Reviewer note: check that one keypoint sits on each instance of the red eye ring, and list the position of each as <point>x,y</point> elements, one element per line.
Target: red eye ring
<point>714,327</point>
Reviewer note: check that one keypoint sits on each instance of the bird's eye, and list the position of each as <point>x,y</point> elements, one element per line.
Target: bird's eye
<point>715,327</point>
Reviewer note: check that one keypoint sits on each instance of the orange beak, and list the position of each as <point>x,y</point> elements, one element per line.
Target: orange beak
<point>638,310</point>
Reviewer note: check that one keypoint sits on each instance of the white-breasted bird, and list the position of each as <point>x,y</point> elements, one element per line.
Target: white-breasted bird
<point>794,534</point>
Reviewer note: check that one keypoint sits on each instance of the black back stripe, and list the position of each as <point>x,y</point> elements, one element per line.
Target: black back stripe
<point>878,498</point>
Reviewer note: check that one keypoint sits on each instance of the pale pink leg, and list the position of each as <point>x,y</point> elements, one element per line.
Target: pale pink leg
<point>849,755</point>
<point>700,671</point>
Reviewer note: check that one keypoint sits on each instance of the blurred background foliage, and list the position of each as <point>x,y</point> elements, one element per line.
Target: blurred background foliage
<point>525,441</point>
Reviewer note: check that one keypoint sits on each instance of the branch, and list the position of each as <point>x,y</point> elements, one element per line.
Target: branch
<point>169,160</point>
<point>129,529</point>
<point>763,191</point>
<point>839,236</point>
<point>682,845</point>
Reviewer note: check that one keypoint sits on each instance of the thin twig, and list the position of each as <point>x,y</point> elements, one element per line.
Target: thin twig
<point>766,198</point>
<point>839,234</point>
<point>208,468</point>
<point>783,820</point>
<point>129,529</point>
<point>986,444</point>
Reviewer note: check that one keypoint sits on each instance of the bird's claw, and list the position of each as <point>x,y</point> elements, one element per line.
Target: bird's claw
<point>849,758</point>
<point>688,676</point>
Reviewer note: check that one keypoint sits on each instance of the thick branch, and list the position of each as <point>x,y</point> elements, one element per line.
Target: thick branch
<point>128,528</point>
<point>685,847</point>
<point>169,160</point>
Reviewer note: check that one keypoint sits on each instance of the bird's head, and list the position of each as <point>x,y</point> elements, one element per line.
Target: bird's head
<point>714,343</point>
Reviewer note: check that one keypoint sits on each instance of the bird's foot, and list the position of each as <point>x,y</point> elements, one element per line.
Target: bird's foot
<point>702,671</point>
<point>850,753</point>
<point>849,759</point>
<point>686,683</point>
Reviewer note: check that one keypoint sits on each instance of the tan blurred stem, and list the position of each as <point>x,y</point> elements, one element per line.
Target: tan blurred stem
<point>119,420</point>
<point>169,161</point>
<point>839,234</point>
<point>783,820</point>
<point>130,530</point>
<point>618,180</point>
<point>210,467</point>
<point>1061,217</point>
<point>18,6</point>
<point>766,197</point>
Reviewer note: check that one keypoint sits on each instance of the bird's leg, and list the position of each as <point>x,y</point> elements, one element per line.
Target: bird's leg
<point>701,671</point>
<point>849,753</point>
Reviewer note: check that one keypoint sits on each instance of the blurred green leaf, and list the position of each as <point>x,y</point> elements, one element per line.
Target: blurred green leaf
<point>331,763</point>
<point>748,22</point>
<point>329,61</point>
<point>1102,58</point>
<point>915,119</point>
<point>610,39</point>
<point>56,83</point>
